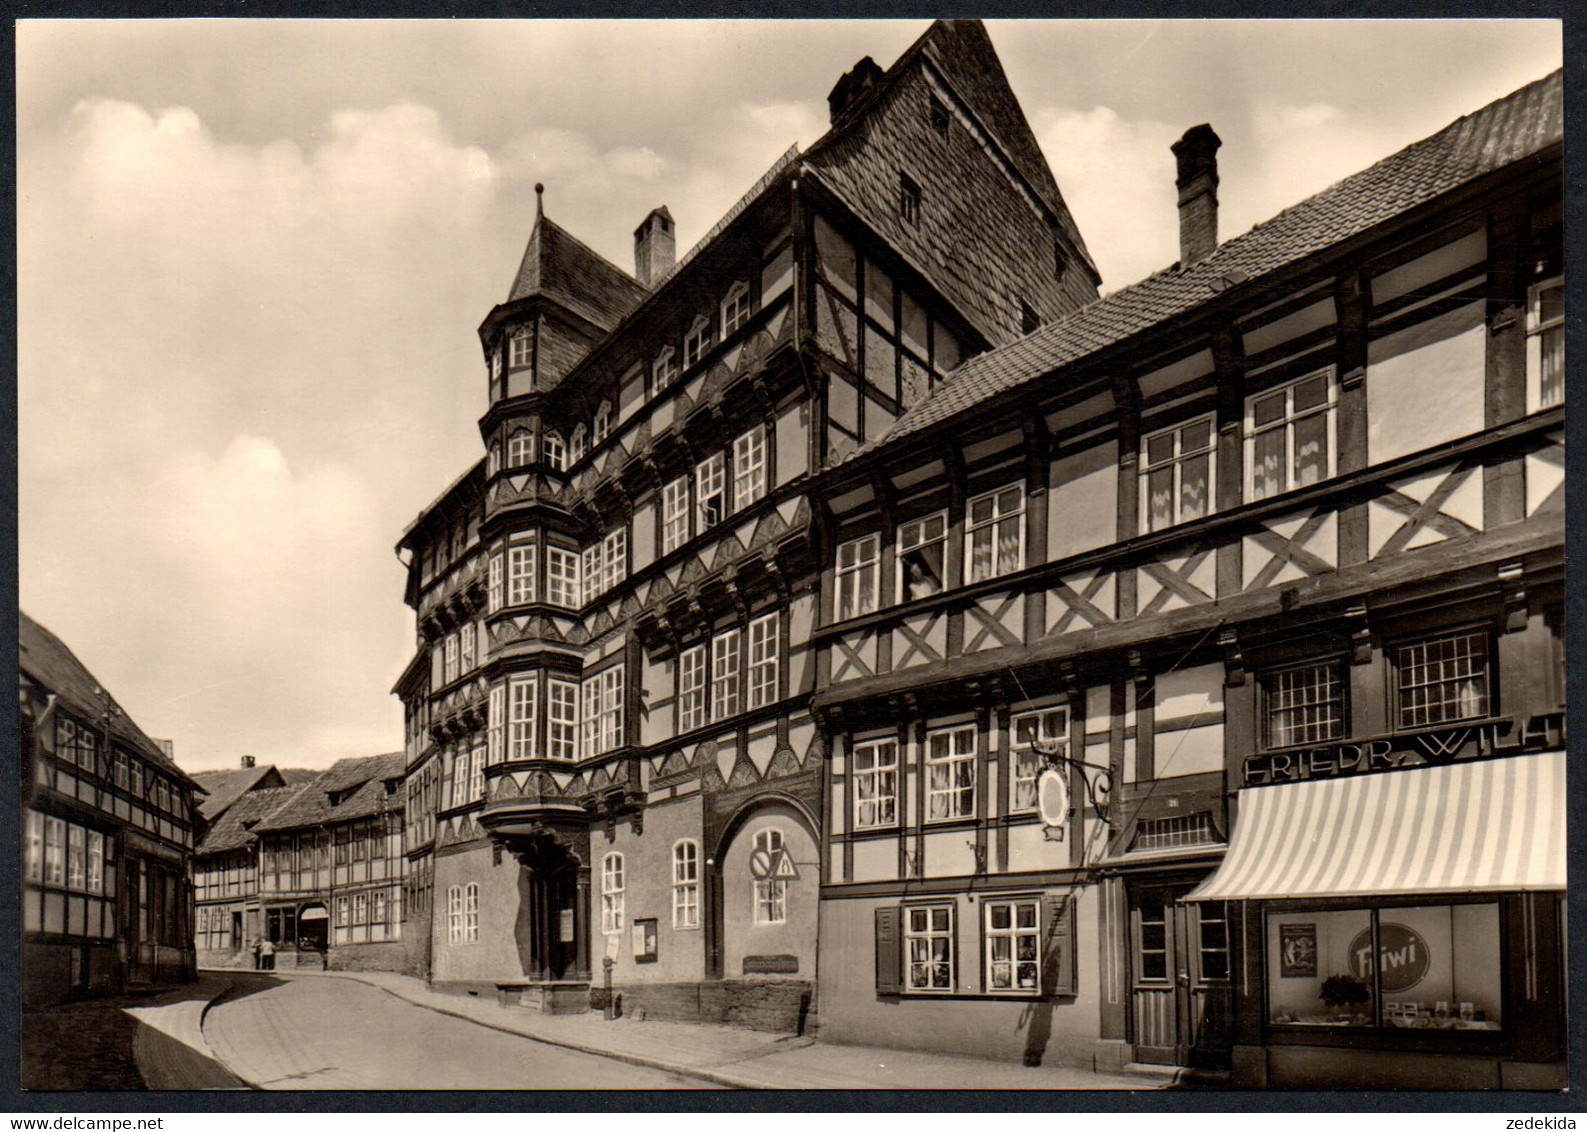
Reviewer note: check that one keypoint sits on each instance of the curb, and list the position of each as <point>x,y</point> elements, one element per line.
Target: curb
<point>203,1017</point>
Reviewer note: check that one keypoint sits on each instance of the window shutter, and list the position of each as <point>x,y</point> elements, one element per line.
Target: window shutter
<point>1058,963</point>
<point>889,954</point>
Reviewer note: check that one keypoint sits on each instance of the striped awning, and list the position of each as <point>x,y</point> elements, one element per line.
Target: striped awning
<point>1491,826</point>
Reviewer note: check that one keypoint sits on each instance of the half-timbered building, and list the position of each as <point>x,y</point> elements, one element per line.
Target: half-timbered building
<point>613,765</point>
<point>228,918</point>
<point>1193,667</point>
<point>108,826</point>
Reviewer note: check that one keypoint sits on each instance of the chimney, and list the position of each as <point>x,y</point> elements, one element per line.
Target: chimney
<point>247,762</point>
<point>1197,155</point>
<point>655,248</point>
<point>865,75</point>
<point>169,747</point>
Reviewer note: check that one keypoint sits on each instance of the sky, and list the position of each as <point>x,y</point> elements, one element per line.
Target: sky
<point>253,256</point>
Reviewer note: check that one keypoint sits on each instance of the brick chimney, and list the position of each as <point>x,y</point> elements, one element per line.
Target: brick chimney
<point>247,762</point>
<point>1197,155</point>
<point>856,82</point>
<point>655,247</point>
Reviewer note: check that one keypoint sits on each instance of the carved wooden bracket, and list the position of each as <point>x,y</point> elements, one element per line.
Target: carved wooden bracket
<point>1233,657</point>
<point>1360,634</point>
<point>1512,587</point>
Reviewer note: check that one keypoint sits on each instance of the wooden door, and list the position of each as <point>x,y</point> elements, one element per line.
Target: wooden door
<point>1180,1000</point>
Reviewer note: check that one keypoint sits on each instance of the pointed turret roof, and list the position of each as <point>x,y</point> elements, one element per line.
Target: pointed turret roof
<point>559,267</point>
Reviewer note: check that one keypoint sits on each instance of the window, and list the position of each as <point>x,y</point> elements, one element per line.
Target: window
<point>451,657</point>
<point>876,784</point>
<point>33,849</point>
<point>950,774</point>
<point>493,458</point>
<point>1035,732</point>
<point>54,851</point>
<point>1304,705</point>
<point>674,514</point>
<point>520,573</point>
<point>1545,344</point>
<point>522,350</point>
<point>1289,436</point>
<point>603,422</point>
<point>686,885</point>
<point>664,371</point>
<point>1029,320</point>
<point>859,565</point>
<point>749,468</point>
<point>616,559</point>
<point>921,545</point>
<point>928,946</point>
<point>361,908</point>
<point>578,445</point>
<point>460,775</point>
<point>1177,468</point>
<point>724,674</point>
<point>994,533</point>
<point>735,308</point>
<point>344,909</point>
<point>562,725</point>
<point>377,908</point>
<point>520,448</point>
<point>603,711</point>
<point>938,115</point>
<point>691,688</point>
<point>711,491</point>
<point>521,718</point>
<point>612,893</point>
<point>1443,680</point>
<point>562,577</point>
<point>495,727</point>
<point>96,862</point>
<point>763,638</point>
<point>697,341</point>
<point>467,636</point>
<point>1013,946</point>
<point>494,588</point>
<point>593,573</point>
<point>471,913</point>
<point>1212,941</point>
<point>76,857</point>
<point>555,452</point>
<point>771,894</point>
<point>908,200</point>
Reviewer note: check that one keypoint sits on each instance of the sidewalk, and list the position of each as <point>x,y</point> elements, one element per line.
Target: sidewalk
<point>743,1059</point>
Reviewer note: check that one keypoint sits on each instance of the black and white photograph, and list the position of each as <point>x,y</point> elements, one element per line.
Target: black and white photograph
<point>661,554</point>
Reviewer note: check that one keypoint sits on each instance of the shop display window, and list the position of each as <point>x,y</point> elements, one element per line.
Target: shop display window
<point>1433,967</point>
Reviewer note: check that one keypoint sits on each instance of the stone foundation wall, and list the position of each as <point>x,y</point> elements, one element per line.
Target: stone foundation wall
<point>396,955</point>
<point>777,1005</point>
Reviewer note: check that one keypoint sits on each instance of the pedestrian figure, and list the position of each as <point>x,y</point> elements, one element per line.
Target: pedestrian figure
<point>267,955</point>
<point>258,953</point>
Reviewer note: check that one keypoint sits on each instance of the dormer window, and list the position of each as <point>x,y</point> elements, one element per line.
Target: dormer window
<point>1029,320</point>
<point>697,341</point>
<point>938,115</point>
<point>521,350</point>
<point>735,308</point>
<point>908,199</point>
<point>520,448</point>
<point>603,422</point>
<point>665,370</point>
<point>555,451</point>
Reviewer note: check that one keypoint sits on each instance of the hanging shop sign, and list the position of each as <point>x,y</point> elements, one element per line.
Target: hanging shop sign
<point>1420,748</point>
<point>1402,956</point>
<point>1052,802</point>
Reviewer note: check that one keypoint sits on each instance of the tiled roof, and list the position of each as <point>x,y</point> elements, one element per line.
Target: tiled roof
<point>563,268</point>
<point>366,779</point>
<point>44,657</point>
<point>1518,126</point>
<point>226,786</point>
<point>234,828</point>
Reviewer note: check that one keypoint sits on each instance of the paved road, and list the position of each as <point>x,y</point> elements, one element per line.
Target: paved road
<point>319,1033</point>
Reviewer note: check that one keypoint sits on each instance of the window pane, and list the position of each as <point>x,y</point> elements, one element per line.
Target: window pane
<point>1311,449</point>
<point>1311,393</point>
<point>1266,410</point>
<point>1193,487</point>
<point>1267,464</point>
<point>1195,436</point>
<point>1314,954</point>
<point>1160,449</point>
<point>1160,499</point>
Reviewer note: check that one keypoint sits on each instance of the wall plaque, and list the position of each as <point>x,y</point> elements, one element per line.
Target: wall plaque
<point>771,964</point>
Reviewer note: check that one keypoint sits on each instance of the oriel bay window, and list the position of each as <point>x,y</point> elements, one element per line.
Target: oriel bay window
<point>950,774</point>
<point>562,723</point>
<point>876,784</point>
<point>1177,470</point>
<point>922,544</point>
<point>859,567</point>
<point>1444,680</point>
<point>1304,704</point>
<point>1034,733</point>
<point>520,448</point>
<point>603,711</point>
<point>1290,435</point>
<point>520,571</point>
<point>994,534</point>
<point>1433,967</point>
<point>562,577</point>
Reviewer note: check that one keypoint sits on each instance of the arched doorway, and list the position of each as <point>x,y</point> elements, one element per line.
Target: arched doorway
<point>765,886</point>
<point>550,931</point>
<point>314,928</point>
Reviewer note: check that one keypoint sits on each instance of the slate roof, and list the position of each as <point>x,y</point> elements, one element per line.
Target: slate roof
<point>226,786</point>
<point>1515,127</point>
<point>234,828</point>
<point>44,658</point>
<point>365,777</point>
<point>561,267</point>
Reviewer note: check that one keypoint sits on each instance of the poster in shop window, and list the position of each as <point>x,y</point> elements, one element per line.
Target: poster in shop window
<point>1297,951</point>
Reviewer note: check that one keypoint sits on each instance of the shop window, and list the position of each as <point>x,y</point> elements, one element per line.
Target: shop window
<point>950,774</point>
<point>922,544</point>
<point>859,565</point>
<point>1177,470</point>
<point>1443,680</point>
<point>1545,345</point>
<point>1035,732</point>
<point>1012,936</point>
<point>1305,704</point>
<point>994,534</point>
<point>771,894</point>
<point>928,949</point>
<point>1289,436</point>
<point>612,893</point>
<point>876,784</point>
<point>686,885</point>
<point>1433,967</point>
<point>674,514</point>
